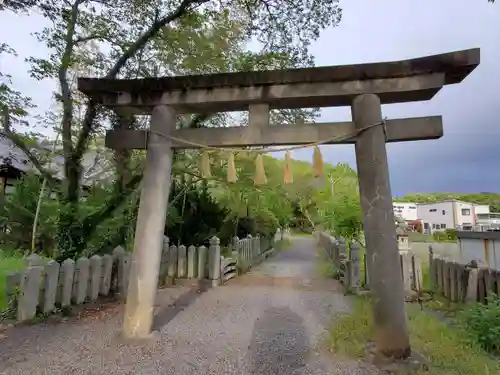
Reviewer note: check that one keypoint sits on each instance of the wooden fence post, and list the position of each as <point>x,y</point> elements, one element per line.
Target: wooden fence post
<point>432,270</point>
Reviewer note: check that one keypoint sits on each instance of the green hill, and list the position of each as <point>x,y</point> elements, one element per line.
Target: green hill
<point>491,199</point>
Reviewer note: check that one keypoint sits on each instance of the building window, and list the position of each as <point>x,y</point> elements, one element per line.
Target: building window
<point>465,211</point>
<point>432,210</point>
<point>444,212</point>
<point>443,226</point>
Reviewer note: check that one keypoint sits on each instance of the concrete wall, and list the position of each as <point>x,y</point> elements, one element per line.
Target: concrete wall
<point>437,214</point>
<point>465,213</point>
<point>406,210</point>
<point>483,246</point>
<point>446,250</point>
<point>482,209</point>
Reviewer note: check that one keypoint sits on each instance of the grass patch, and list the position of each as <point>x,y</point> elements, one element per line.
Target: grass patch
<point>449,350</point>
<point>7,264</point>
<point>427,238</point>
<point>325,267</point>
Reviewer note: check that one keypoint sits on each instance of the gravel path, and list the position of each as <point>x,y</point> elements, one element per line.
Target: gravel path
<point>268,322</point>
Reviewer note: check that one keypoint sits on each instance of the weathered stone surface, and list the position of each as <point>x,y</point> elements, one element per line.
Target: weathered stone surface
<point>80,283</point>
<point>398,130</point>
<point>107,268</point>
<point>51,276</point>
<point>355,277</point>
<point>118,255</point>
<point>172,262</point>
<point>66,278</point>
<point>191,262</point>
<point>406,270</point>
<point>181,261</point>
<point>412,80</point>
<point>150,227</point>
<point>386,285</point>
<point>214,261</point>
<point>95,264</point>
<point>456,65</point>
<point>29,293</point>
<point>12,284</point>
<point>33,260</point>
<point>202,261</point>
<point>415,363</point>
<point>164,261</point>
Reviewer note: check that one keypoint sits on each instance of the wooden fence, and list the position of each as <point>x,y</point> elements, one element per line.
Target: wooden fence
<point>348,260</point>
<point>44,285</point>
<point>462,283</point>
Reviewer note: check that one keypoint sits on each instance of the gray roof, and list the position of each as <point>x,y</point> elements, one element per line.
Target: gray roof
<point>96,163</point>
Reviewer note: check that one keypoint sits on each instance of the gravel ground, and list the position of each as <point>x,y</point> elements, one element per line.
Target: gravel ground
<point>267,322</point>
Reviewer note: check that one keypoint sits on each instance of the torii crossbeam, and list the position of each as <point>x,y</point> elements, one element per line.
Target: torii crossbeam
<point>362,87</point>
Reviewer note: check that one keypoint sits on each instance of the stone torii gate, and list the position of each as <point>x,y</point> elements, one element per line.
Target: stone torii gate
<point>362,87</point>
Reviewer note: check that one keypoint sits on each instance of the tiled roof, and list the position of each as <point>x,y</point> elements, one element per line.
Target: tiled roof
<point>97,164</point>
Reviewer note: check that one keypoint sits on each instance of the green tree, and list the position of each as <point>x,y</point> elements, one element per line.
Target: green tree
<point>137,39</point>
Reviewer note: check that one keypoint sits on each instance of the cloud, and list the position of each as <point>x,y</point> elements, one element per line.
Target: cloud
<point>465,159</point>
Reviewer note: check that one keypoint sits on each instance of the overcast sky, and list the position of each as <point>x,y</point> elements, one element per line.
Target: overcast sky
<point>466,159</point>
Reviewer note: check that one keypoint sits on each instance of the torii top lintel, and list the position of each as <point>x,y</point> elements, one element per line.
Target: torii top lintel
<point>397,81</point>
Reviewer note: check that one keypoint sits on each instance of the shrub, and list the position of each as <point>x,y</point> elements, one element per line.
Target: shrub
<point>483,323</point>
<point>445,236</point>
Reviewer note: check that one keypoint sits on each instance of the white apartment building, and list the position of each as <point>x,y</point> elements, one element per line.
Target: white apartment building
<point>449,214</point>
<point>405,210</point>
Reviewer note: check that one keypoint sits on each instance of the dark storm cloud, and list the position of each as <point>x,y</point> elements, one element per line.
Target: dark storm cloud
<point>465,159</point>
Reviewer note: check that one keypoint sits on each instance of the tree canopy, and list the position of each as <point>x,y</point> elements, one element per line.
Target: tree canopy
<point>134,39</point>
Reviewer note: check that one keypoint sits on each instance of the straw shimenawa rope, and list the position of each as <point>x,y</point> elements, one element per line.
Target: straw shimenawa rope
<point>260,176</point>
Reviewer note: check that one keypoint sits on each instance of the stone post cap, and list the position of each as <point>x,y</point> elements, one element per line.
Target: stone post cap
<point>214,241</point>
<point>166,239</point>
<point>235,238</point>
<point>249,236</point>
<point>355,246</point>
<point>341,240</point>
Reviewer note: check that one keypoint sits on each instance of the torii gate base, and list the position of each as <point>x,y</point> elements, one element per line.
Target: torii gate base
<point>363,87</point>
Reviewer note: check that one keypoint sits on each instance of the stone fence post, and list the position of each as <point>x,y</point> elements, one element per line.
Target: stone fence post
<point>214,261</point>
<point>235,251</point>
<point>342,252</point>
<point>354,269</point>
<point>278,236</point>
<point>250,250</point>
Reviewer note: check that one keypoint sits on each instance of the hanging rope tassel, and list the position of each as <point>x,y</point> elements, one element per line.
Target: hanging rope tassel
<point>318,162</point>
<point>231,169</point>
<point>260,173</point>
<point>205,165</point>
<point>288,175</point>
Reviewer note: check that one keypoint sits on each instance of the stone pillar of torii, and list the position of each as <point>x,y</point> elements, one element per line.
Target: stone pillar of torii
<point>363,87</point>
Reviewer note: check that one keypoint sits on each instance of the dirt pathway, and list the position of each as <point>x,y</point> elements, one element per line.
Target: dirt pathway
<point>267,322</point>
